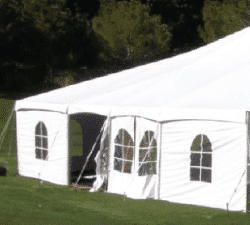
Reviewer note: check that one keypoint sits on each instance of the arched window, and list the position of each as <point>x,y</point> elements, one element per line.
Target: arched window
<point>41,141</point>
<point>124,152</point>
<point>201,159</point>
<point>148,154</point>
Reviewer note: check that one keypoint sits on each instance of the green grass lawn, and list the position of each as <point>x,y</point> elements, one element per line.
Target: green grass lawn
<point>27,201</point>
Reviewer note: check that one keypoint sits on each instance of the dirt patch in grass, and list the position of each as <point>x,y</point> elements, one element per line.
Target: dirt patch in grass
<point>81,187</point>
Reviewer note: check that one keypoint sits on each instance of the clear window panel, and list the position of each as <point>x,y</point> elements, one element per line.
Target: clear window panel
<point>153,143</point>
<point>144,170</point>
<point>143,143</point>
<point>38,128</point>
<point>147,168</point>
<point>41,141</point>
<point>196,145</point>
<point>45,142</point>
<point>147,140</point>
<point>201,160</point>
<point>127,139</point>
<point>143,153</point>
<point>45,153</point>
<point>153,168</point>
<point>153,154</point>
<point>118,164</point>
<point>118,151</point>
<point>206,160</point>
<point>206,145</point>
<point>195,174</point>
<point>118,138</point>
<point>127,167</point>
<point>206,175</point>
<point>44,130</point>
<point>195,159</point>
<point>38,153</point>
<point>123,152</point>
<point>128,153</point>
<point>38,142</point>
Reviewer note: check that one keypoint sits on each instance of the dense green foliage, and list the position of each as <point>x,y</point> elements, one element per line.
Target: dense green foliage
<point>128,32</point>
<point>222,18</point>
<point>38,37</point>
<point>182,17</point>
<point>48,16</point>
<point>7,142</point>
<point>41,39</point>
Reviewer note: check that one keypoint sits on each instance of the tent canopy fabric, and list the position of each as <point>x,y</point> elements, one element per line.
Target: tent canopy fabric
<point>212,79</point>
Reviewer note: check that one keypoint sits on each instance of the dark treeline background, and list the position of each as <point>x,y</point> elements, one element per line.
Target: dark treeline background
<point>46,44</point>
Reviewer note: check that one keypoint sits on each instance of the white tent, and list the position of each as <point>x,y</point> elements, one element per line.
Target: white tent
<point>177,128</point>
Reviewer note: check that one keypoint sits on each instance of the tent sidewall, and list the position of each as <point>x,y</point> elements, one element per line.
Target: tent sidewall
<point>55,168</point>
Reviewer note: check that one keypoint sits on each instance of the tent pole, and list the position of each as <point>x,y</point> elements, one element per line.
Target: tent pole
<point>159,164</point>
<point>16,141</point>
<point>68,153</point>
<point>135,149</point>
<point>109,152</point>
<point>247,161</point>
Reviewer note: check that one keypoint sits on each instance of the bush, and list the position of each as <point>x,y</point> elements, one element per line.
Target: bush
<point>64,78</point>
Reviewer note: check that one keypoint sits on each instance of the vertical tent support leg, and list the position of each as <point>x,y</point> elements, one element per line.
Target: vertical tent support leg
<point>158,183</point>
<point>247,161</point>
<point>16,143</point>
<point>68,153</point>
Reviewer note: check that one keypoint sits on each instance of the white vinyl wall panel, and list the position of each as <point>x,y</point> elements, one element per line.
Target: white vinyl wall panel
<point>118,181</point>
<point>55,169</point>
<point>228,164</point>
<point>143,187</point>
<point>131,184</point>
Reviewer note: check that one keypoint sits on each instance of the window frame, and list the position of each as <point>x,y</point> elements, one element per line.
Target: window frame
<point>126,164</point>
<point>150,139</point>
<point>41,141</point>
<point>204,171</point>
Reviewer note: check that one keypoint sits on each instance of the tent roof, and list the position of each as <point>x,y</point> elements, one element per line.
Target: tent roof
<point>213,78</point>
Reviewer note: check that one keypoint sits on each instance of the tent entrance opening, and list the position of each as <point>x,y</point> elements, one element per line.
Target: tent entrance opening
<point>84,129</point>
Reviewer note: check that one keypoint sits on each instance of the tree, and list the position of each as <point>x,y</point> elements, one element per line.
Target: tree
<point>49,16</point>
<point>222,18</point>
<point>128,32</point>
<point>29,32</point>
<point>183,18</point>
<point>80,39</point>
